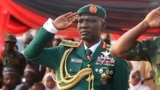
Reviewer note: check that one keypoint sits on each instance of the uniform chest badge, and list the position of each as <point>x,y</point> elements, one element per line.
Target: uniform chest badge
<point>105,59</point>
<point>76,60</point>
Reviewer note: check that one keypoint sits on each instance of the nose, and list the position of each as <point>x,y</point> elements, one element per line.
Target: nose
<point>84,24</point>
<point>9,81</point>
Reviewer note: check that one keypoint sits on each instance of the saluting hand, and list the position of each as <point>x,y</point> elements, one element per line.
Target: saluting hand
<point>65,20</point>
<point>153,18</point>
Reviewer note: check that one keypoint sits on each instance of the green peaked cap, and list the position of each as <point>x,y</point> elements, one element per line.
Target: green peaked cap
<point>92,9</point>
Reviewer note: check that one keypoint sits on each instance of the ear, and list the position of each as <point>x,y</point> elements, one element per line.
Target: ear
<point>103,26</point>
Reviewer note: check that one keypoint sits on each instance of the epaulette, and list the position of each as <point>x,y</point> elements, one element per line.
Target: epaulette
<point>69,43</point>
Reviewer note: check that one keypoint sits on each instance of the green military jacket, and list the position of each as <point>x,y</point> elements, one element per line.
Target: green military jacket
<point>14,60</point>
<point>73,70</point>
<point>149,50</point>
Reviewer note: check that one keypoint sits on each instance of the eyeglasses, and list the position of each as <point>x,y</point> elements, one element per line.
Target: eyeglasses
<point>136,77</point>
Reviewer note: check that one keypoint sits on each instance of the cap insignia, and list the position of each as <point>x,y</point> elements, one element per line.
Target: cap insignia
<point>93,9</point>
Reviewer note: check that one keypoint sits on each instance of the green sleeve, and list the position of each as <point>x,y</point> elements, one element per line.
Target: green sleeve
<point>144,50</point>
<point>36,52</point>
<point>121,75</point>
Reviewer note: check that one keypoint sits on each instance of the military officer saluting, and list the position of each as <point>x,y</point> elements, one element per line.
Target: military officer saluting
<point>76,70</point>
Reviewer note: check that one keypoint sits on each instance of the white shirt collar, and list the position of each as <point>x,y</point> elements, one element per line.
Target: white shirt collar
<point>93,47</point>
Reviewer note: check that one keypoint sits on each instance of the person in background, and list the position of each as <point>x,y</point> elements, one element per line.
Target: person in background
<point>84,65</point>
<point>11,57</point>
<point>38,86</point>
<point>106,37</point>
<point>148,74</point>
<point>128,47</point>
<point>22,86</point>
<point>29,76</point>
<point>56,41</point>
<point>39,69</point>
<point>135,81</point>
<point>10,78</point>
<point>4,87</point>
<point>49,82</point>
<point>27,38</point>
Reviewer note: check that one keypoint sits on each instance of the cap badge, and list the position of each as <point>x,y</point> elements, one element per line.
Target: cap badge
<point>93,9</point>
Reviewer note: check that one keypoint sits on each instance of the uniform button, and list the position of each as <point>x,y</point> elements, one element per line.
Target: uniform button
<point>100,71</point>
<point>96,70</point>
<point>70,69</point>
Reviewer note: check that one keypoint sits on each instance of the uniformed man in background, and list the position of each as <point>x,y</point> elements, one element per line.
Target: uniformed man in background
<point>128,47</point>
<point>77,67</point>
<point>11,57</point>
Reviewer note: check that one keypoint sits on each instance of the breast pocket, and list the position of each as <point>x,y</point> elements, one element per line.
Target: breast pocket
<point>74,66</point>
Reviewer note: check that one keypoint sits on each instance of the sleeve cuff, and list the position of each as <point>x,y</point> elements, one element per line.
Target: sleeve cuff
<point>48,25</point>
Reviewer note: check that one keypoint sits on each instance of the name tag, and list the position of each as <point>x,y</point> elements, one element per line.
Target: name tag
<point>76,60</point>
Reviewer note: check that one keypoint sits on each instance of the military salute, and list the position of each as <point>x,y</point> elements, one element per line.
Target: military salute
<point>148,49</point>
<point>75,70</point>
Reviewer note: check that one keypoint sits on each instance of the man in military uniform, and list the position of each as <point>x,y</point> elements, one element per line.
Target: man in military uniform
<point>11,57</point>
<point>75,70</point>
<point>127,46</point>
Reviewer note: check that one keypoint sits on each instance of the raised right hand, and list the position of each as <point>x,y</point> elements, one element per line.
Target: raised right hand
<point>153,18</point>
<point>65,20</point>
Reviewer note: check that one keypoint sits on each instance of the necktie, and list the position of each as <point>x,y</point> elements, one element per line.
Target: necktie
<point>88,53</point>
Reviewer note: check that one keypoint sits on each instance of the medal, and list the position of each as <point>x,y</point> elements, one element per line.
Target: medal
<point>105,76</point>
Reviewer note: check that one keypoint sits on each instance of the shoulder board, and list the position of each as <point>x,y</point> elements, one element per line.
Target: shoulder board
<point>69,43</point>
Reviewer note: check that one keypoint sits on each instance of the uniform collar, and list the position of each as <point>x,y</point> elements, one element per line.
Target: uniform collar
<point>93,47</point>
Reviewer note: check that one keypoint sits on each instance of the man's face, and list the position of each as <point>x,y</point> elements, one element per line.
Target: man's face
<point>9,45</point>
<point>50,82</point>
<point>136,77</point>
<point>10,81</point>
<point>90,27</point>
<point>29,77</point>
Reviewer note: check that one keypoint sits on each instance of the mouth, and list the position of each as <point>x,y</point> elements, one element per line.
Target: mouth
<point>84,33</point>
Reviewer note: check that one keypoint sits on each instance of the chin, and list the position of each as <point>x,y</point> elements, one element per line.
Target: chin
<point>84,38</point>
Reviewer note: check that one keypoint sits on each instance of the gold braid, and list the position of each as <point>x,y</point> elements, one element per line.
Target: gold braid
<point>69,80</point>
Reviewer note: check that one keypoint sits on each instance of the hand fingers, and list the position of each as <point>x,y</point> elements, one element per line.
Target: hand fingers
<point>70,15</point>
<point>74,18</point>
<point>66,14</point>
<point>158,8</point>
